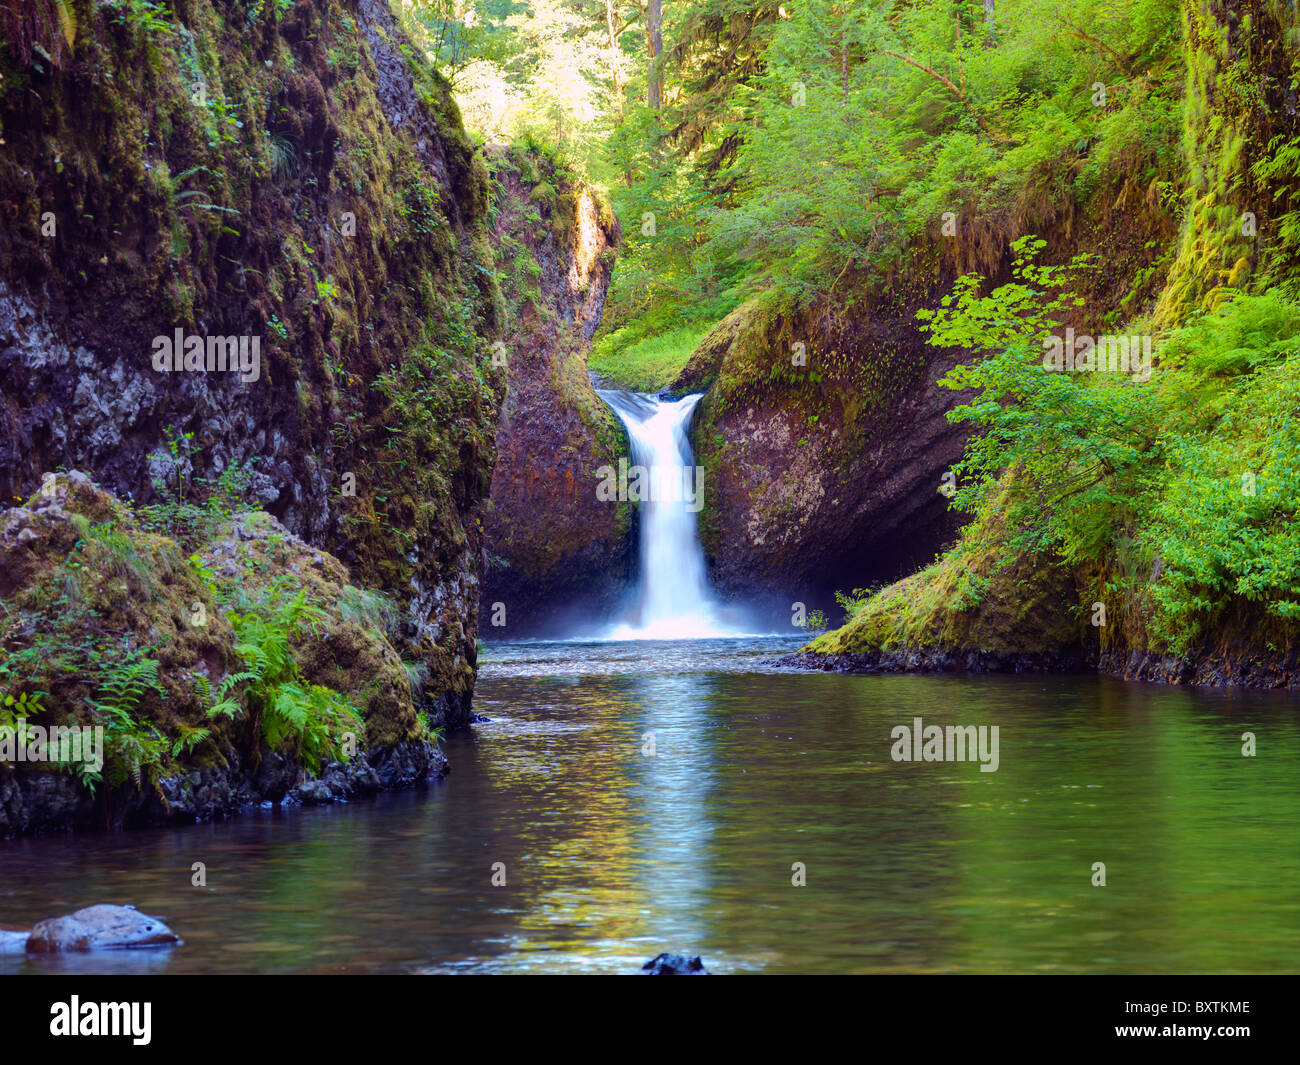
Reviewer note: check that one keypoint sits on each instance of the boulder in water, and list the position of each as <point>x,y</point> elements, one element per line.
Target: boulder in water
<point>101,927</point>
<point>666,964</point>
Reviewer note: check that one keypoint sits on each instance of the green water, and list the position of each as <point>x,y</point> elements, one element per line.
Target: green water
<point>611,855</point>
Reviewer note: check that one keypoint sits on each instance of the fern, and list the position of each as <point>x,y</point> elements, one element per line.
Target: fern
<point>15,711</point>
<point>67,20</point>
<point>121,691</point>
<point>288,713</point>
<point>189,738</point>
<point>131,748</point>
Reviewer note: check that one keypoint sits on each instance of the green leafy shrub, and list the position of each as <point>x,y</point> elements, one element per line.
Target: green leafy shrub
<point>1182,492</point>
<point>192,508</point>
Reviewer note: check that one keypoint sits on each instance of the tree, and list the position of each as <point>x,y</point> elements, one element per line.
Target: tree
<point>654,49</point>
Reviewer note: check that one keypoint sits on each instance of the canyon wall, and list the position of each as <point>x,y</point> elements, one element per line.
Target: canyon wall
<point>557,558</point>
<point>290,181</point>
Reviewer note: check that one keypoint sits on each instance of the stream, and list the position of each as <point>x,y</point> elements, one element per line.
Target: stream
<point>611,855</point>
<point>636,794</point>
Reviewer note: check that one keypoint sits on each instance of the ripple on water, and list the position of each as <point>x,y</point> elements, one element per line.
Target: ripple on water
<point>612,849</point>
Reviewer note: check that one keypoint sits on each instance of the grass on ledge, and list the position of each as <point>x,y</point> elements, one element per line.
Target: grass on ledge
<point>648,363</point>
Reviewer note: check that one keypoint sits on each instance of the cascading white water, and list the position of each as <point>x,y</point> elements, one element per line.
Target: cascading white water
<point>673,600</point>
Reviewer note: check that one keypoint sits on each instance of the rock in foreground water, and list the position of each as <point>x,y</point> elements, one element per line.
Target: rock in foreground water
<point>101,927</point>
<point>667,964</point>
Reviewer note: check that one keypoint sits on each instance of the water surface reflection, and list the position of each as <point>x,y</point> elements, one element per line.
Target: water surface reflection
<point>611,854</point>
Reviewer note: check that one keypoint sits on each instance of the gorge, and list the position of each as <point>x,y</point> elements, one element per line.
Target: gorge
<point>592,456</point>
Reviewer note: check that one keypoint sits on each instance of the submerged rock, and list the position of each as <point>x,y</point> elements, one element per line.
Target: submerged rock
<point>667,964</point>
<point>100,927</point>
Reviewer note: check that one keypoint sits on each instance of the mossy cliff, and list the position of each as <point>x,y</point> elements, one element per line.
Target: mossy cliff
<point>109,623</point>
<point>965,611</point>
<point>824,431</point>
<point>1182,566</point>
<point>293,174</point>
<point>556,554</point>
<point>1242,155</point>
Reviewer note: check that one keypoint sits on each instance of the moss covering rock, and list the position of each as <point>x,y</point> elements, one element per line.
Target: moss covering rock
<point>105,623</point>
<point>1178,557</point>
<point>973,609</point>
<point>293,174</point>
<point>554,550</point>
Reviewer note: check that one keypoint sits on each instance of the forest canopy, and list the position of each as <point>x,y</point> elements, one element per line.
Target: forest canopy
<point>789,150</point>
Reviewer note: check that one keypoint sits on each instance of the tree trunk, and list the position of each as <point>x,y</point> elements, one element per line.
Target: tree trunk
<point>613,54</point>
<point>654,48</point>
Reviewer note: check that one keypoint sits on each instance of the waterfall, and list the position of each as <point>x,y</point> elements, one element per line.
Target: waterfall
<point>673,599</point>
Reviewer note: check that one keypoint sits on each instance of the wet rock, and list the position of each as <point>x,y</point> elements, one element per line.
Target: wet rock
<point>912,660</point>
<point>1210,669</point>
<point>809,493</point>
<point>101,927</point>
<point>349,652</point>
<point>555,552</point>
<point>667,964</point>
<point>80,389</point>
<point>223,790</point>
<point>314,793</point>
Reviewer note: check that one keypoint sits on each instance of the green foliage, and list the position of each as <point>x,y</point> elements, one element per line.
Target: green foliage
<point>192,508</point>
<point>1183,488</point>
<point>853,602</point>
<point>648,363</point>
<point>117,558</point>
<point>283,156</point>
<point>125,685</point>
<point>57,636</point>
<point>535,72</point>
<point>308,718</point>
<point>1228,525</point>
<point>369,609</point>
<point>431,391</point>
<point>132,749</point>
<point>144,17</point>
<point>815,621</point>
<point>187,738</point>
<point>16,709</point>
<point>803,150</point>
<point>1079,445</point>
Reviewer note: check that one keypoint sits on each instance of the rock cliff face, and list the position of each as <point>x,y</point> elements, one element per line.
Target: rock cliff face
<point>817,483</point>
<point>824,432</point>
<point>284,174</point>
<point>1034,613</point>
<point>245,262</point>
<point>557,557</point>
